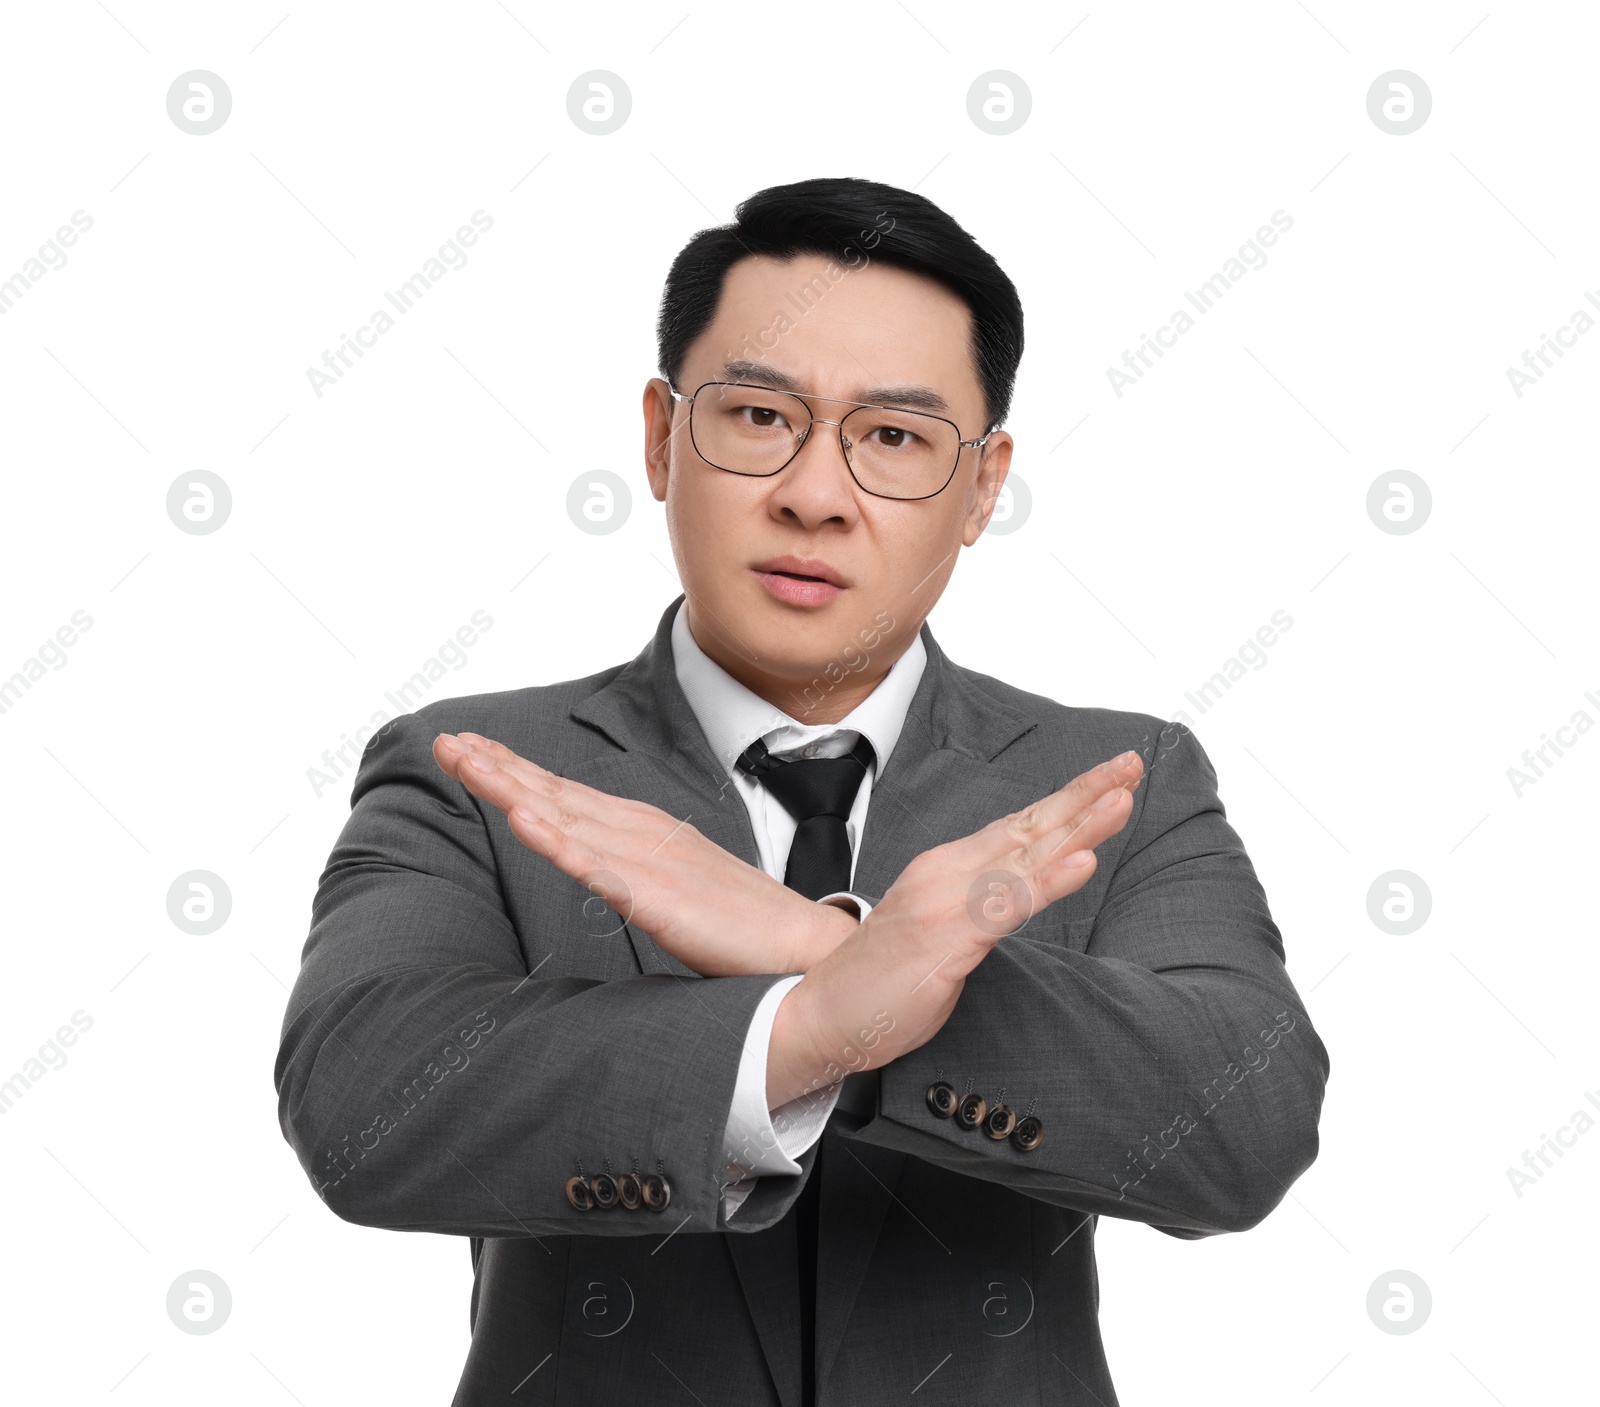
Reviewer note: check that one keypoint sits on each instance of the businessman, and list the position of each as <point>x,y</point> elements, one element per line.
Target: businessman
<point>777,1013</point>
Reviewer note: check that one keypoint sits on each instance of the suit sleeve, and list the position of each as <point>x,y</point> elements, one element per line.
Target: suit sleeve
<point>1175,1070</point>
<point>436,1073</point>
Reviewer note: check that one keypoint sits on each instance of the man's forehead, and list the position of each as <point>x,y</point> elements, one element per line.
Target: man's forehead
<point>910,346</point>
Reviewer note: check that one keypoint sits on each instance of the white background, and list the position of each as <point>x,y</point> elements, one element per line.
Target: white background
<point>369,524</point>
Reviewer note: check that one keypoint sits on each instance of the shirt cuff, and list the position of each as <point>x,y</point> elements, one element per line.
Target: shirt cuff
<point>758,1140</point>
<point>848,901</point>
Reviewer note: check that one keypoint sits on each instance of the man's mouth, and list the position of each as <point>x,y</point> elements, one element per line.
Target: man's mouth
<point>808,569</point>
<point>800,581</point>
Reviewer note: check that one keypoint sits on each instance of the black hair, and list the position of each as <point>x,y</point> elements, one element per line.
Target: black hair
<point>831,216</point>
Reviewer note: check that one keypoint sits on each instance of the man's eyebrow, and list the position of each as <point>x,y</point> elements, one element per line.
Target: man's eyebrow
<point>910,397</point>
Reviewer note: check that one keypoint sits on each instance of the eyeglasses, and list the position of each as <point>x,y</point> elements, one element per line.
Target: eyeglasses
<point>756,431</point>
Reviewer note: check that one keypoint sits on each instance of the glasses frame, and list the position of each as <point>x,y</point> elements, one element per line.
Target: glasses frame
<point>802,396</point>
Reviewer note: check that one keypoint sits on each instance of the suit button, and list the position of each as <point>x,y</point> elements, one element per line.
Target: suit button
<point>1028,1134</point>
<point>941,1100</point>
<point>970,1114</point>
<point>628,1192</point>
<point>579,1195</point>
<point>656,1191</point>
<point>604,1187</point>
<point>1001,1120</point>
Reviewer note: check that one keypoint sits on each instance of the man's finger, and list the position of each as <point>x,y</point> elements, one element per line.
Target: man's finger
<point>1064,807</point>
<point>535,780</point>
<point>1064,862</point>
<point>575,857</point>
<point>575,796</point>
<point>463,745</point>
<point>500,787</point>
<point>561,813</point>
<point>1092,826</point>
<point>1081,815</point>
<point>1086,788</point>
<point>485,778</point>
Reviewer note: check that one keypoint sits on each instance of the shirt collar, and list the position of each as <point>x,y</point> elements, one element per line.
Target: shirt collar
<point>732,717</point>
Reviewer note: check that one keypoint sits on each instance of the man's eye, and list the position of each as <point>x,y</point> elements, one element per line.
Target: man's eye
<point>763,416</point>
<point>895,437</point>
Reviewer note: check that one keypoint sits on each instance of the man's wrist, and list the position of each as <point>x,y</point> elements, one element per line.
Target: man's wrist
<point>791,1060</point>
<point>831,924</point>
<point>794,1065</point>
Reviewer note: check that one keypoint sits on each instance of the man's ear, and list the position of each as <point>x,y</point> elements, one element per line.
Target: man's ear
<point>658,407</point>
<point>991,476</point>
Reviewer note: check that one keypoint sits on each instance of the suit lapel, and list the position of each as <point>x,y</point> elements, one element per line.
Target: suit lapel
<point>937,785</point>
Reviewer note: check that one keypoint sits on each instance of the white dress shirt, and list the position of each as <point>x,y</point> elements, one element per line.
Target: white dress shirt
<point>758,1140</point>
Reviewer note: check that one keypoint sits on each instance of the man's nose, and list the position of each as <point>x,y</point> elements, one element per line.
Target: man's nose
<point>817,483</point>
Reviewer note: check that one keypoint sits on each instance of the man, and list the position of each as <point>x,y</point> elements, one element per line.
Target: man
<point>778,1012</point>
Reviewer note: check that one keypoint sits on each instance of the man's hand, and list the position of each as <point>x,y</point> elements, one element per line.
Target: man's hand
<point>892,983</point>
<point>709,909</point>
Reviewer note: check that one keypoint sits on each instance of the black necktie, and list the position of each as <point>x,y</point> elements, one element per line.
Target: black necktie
<point>818,792</point>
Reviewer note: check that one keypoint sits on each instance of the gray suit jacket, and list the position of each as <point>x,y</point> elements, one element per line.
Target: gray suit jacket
<point>471,1028</point>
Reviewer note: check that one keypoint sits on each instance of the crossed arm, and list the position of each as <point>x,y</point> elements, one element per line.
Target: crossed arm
<point>722,917</point>
<point>414,968</point>
<point>1147,1048</point>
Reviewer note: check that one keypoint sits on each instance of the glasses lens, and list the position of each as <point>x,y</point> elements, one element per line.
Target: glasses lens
<point>900,453</point>
<point>747,429</point>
